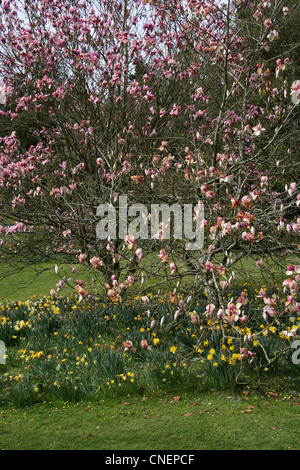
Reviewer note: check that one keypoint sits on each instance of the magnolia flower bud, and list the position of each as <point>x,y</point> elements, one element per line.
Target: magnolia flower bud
<point>220,313</point>
<point>139,253</point>
<point>260,264</point>
<point>173,267</point>
<point>176,315</point>
<point>52,293</point>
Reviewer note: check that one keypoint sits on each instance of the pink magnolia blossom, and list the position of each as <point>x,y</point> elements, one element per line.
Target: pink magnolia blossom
<point>96,262</point>
<point>173,267</point>
<point>112,294</point>
<point>291,284</point>
<point>249,237</point>
<point>264,180</point>
<point>244,319</point>
<point>220,314</point>
<point>273,35</point>
<point>52,293</point>
<point>292,305</point>
<point>258,129</point>
<point>130,280</point>
<point>130,241</point>
<point>268,23</point>
<point>144,344</point>
<point>163,256</point>
<point>139,253</point>
<point>81,291</point>
<point>291,332</point>
<point>293,269</point>
<point>295,92</point>
<point>260,263</point>
<point>128,345</point>
<point>195,319</point>
<point>270,311</point>
<point>209,266</point>
<point>82,257</point>
<point>242,300</point>
<point>176,315</point>
<point>210,308</point>
<point>257,15</point>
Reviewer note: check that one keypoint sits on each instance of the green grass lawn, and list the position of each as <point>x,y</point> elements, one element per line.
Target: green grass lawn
<point>39,279</point>
<point>34,280</point>
<point>207,421</point>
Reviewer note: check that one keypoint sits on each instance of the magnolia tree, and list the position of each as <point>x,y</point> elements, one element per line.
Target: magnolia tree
<point>141,108</point>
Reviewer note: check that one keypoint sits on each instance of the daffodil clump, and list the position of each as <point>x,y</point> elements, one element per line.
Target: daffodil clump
<point>74,349</point>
